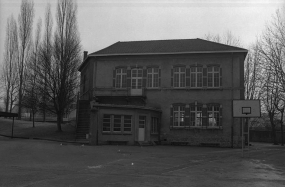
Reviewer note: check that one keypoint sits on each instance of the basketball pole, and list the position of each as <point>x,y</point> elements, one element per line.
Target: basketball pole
<point>242,136</point>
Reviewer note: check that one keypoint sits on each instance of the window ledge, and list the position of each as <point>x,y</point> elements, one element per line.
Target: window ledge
<point>115,133</point>
<point>187,127</point>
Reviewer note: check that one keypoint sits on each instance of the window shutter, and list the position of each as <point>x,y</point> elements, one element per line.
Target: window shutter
<point>204,116</point>
<point>159,77</point>
<point>171,117</point>
<point>187,116</point>
<point>187,77</point>
<point>221,82</point>
<point>221,116</point>
<point>128,78</point>
<point>172,77</point>
<point>114,78</point>
<point>204,76</point>
<point>144,78</point>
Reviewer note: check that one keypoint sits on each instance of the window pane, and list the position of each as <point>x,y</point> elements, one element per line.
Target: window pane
<point>124,81</point>
<point>210,80</point>
<point>117,123</point>
<point>193,80</point>
<point>154,125</point>
<point>149,80</point>
<point>199,80</point>
<point>216,79</point>
<point>106,123</point>
<point>127,123</point>
<point>176,80</point>
<point>182,80</point>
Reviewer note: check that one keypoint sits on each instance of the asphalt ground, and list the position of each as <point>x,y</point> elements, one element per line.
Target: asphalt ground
<point>41,163</point>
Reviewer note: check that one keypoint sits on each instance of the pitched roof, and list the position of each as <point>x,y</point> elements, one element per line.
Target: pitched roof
<point>182,46</point>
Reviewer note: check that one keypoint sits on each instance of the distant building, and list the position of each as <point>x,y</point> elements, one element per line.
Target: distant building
<point>164,91</point>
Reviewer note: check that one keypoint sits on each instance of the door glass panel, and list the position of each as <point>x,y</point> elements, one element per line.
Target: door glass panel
<point>141,121</point>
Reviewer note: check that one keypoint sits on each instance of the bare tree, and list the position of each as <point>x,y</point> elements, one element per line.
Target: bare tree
<point>59,74</point>
<point>269,98</point>
<point>25,31</point>
<point>31,98</point>
<point>272,49</point>
<point>9,74</point>
<point>227,38</point>
<point>46,55</point>
<point>253,76</point>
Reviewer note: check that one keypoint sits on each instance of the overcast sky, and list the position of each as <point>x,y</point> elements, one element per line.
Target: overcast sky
<point>104,22</point>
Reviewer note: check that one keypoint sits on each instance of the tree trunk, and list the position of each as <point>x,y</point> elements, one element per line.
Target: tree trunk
<point>33,119</point>
<point>59,117</point>
<point>282,142</point>
<point>273,130</point>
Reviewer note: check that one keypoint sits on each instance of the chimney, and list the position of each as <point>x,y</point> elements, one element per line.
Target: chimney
<point>85,55</point>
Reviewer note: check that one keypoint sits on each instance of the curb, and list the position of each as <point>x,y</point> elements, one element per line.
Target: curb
<point>45,139</point>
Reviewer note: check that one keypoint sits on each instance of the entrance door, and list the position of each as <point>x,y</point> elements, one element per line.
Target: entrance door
<point>136,81</point>
<point>142,122</point>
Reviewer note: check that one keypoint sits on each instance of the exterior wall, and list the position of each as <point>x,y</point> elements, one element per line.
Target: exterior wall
<point>129,138</point>
<point>87,78</point>
<point>165,95</point>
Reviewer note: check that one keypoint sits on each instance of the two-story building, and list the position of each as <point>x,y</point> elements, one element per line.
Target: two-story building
<point>165,91</point>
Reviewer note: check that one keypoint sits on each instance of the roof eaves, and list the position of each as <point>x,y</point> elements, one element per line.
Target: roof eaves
<point>170,53</point>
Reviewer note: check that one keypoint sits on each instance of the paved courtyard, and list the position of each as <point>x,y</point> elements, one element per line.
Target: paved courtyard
<point>40,163</point>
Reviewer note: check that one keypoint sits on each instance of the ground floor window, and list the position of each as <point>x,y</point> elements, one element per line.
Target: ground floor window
<point>117,123</point>
<point>179,116</point>
<point>196,115</point>
<point>154,125</point>
<point>213,116</point>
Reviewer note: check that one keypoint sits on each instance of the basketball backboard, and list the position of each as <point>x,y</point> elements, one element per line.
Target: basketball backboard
<point>246,108</point>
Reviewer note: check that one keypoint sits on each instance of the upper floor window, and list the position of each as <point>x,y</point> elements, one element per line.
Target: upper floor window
<point>213,76</point>
<point>152,78</point>
<point>179,74</point>
<point>196,77</point>
<point>179,116</point>
<point>136,81</point>
<point>213,115</point>
<point>121,78</point>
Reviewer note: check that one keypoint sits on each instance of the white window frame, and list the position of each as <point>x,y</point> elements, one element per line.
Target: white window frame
<point>136,81</point>
<point>212,71</point>
<point>198,120</point>
<point>196,74</point>
<point>213,116</point>
<point>180,115</point>
<point>121,78</point>
<point>152,77</point>
<point>179,77</point>
<point>122,126</point>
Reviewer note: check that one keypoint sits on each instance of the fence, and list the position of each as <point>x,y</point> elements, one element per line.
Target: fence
<point>264,136</point>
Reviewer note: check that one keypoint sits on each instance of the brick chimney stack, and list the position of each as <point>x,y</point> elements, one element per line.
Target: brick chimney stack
<point>85,55</point>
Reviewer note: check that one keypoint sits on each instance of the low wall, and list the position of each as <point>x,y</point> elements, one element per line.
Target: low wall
<point>264,136</point>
